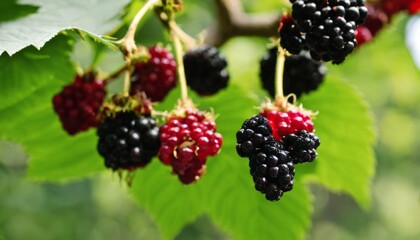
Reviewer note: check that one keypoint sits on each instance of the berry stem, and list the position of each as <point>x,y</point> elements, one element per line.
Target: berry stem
<point>279,74</point>
<point>115,74</point>
<point>179,62</point>
<point>127,75</point>
<point>127,42</point>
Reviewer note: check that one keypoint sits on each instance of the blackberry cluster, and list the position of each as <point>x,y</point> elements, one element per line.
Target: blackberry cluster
<point>78,103</point>
<point>291,38</point>
<point>301,73</point>
<point>128,141</point>
<point>157,76</point>
<point>271,167</point>
<point>329,26</point>
<point>187,142</point>
<point>272,170</point>
<point>205,70</point>
<point>302,146</point>
<point>254,133</point>
<point>285,123</point>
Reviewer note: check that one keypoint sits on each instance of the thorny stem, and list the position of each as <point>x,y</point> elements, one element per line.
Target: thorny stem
<point>179,62</point>
<point>279,73</point>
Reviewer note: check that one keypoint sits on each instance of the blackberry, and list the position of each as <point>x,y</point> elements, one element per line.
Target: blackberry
<point>301,73</point>
<point>187,141</point>
<point>157,76</point>
<point>128,141</point>
<point>254,133</point>
<point>302,146</point>
<point>329,26</point>
<point>291,38</point>
<point>272,170</point>
<point>205,70</point>
<point>78,103</point>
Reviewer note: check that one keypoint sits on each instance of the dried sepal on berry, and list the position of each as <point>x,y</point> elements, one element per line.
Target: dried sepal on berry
<point>188,138</point>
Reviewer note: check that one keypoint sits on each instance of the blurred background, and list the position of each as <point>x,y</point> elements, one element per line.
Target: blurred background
<point>100,208</point>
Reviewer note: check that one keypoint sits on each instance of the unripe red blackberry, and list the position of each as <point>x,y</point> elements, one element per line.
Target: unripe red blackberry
<point>272,170</point>
<point>205,70</point>
<point>302,146</point>
<point>391,7</point>
<point>127,141</point>
<point>301,74</point>
<point>187,140</point>
<point>157,76</point>
<point>288,122</point>
<point>254,133</point>
<point>78,103</point>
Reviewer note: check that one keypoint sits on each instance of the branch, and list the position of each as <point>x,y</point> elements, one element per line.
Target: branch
<point>232,21</point>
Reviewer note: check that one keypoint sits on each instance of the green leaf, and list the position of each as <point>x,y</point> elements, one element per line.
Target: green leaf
<point>346,160</point>
<point>226,191</point>
<point>33,78</point>
<point>94,17</point>
<point>19,10</point>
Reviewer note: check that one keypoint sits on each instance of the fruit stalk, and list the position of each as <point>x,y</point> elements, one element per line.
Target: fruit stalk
<point>279,74</point>
<point>127,41</point>
<point>179,63</point>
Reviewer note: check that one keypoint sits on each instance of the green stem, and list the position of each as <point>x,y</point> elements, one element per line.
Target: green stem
<point>127,74</point>
<point>279,73</point>
<point>128,39</point>
<point>180,63</point>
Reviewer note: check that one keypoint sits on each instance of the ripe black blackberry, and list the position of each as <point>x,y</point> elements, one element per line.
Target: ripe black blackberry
<point>272,170</point>
<point>329,26</point>
<point>301,73</point>
<point>128,141</point>
<point>205,70</point>
<point>302,146</point>
<point>254,133</point>
<point>291,38</point>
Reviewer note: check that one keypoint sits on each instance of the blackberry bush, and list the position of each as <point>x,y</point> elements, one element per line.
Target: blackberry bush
<point>78,103</point>
<point>302,146</point>
<point>157,76</point>
<point>301,73</point>
<point>127,141</point>
<point>205,70</point>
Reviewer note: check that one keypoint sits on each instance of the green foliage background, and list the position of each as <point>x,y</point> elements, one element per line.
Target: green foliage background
<point>65,184</point>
